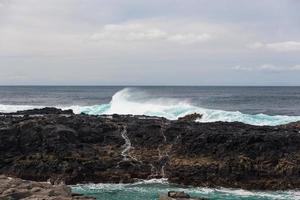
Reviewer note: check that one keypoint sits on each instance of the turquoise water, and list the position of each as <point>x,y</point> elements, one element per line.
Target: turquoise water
<point>149,190</point>
<point>251,105</point>
<point>138,102</point>
<point>256,106</point>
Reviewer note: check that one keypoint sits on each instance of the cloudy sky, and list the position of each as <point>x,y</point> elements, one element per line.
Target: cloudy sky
<point>157,42</point>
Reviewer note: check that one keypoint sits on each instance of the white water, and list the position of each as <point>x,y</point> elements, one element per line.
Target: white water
<point>127,145</point>
<point>130,101</point>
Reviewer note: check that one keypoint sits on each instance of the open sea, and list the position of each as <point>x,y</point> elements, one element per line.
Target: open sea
<point>251,105</point>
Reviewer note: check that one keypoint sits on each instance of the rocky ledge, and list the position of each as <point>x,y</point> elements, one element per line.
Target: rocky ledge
<point>15,189</point>
<point>59,146</point>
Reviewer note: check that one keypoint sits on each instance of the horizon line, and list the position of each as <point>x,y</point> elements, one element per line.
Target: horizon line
<point>142,85</point>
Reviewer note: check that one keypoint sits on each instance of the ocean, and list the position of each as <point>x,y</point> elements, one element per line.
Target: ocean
<point>252,105</point>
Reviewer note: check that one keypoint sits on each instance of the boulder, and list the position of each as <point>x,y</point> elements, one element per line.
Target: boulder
<point>174,195</point>
<point>14,189</point>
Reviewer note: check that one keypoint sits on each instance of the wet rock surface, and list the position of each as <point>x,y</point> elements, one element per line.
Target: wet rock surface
<point>123,148</point>
<point>173,195</point>
<point>15,189</point>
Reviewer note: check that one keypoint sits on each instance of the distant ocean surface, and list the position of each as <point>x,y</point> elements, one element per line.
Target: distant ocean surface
<point>252,105</point>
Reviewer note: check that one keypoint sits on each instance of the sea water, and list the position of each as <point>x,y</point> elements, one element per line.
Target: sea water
<point>150,189</point>
<point>251,105</point>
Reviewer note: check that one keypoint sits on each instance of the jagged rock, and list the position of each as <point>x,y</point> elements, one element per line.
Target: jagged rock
<point>173,195</point>
<point>42,111</point>
<point>123,148</point>
<point>15,189</point>
<point>190,117</point>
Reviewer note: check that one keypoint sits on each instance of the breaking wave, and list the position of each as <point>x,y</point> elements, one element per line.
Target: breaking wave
<point>137,102</point>
<point>133,101</point>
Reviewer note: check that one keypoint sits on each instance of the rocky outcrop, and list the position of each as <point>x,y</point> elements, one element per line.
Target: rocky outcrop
<point>173,195</point>
<point>190,117</point>
<point>42,111</point>
<point>15,189</point>
<point>123,148</point>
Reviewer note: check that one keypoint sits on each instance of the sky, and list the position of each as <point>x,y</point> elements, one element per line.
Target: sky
<point>157,42</point>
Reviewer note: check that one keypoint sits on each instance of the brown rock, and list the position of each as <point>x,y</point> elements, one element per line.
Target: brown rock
<point>14,189</point>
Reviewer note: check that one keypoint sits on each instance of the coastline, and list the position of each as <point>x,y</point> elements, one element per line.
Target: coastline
<point>52,144</point>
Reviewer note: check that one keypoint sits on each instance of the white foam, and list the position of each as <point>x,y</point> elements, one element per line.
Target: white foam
<point>152,181</point>
<point>136,102</point>
<point>132,101</point>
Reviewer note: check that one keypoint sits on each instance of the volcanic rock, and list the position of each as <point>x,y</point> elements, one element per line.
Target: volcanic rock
<point>173,195</point>
<point>190,117</point>
<point>124,148</point>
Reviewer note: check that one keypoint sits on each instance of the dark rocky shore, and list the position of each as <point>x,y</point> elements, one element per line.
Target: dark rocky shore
<point>59,146</point>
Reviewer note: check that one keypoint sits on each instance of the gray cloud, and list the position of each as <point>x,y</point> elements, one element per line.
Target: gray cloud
<point>268,67</point>
<point>148,42</point>
<point>146,32</point>
<point>277,46</point>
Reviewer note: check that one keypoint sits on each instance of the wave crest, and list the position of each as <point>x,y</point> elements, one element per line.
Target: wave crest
<point>136,102</point>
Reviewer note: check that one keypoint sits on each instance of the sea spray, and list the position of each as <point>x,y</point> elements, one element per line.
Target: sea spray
<point>133,101</point>
<point>137,102</point>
